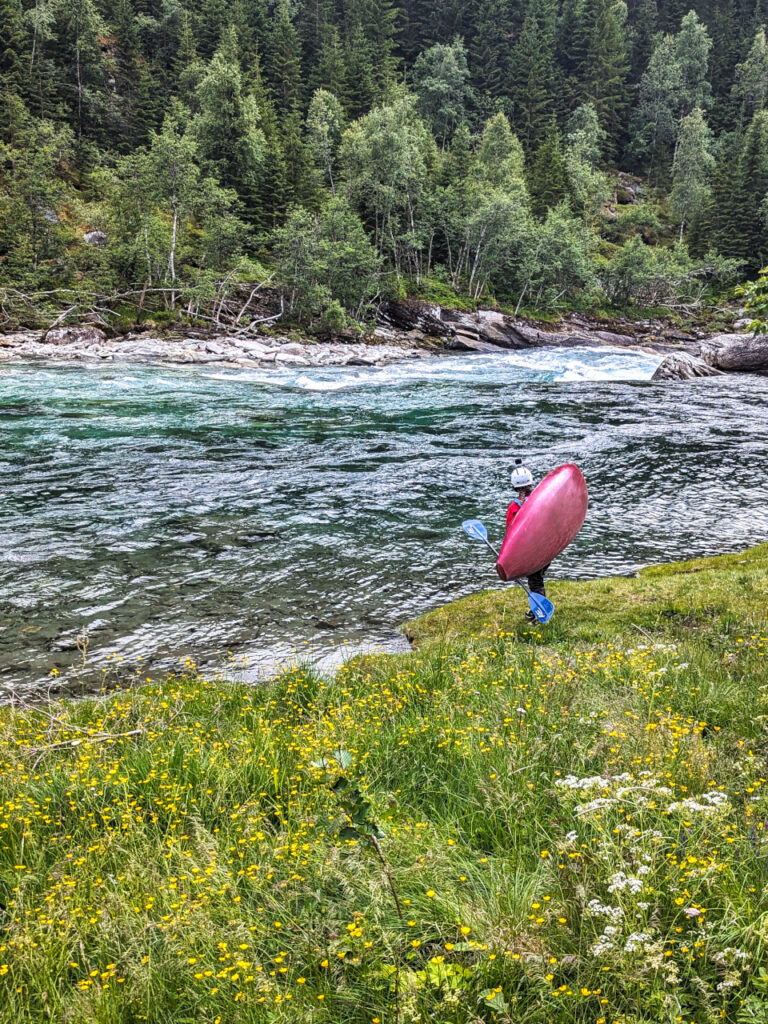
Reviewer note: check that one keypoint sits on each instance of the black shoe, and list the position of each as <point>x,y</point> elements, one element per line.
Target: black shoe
<point>530,617</point>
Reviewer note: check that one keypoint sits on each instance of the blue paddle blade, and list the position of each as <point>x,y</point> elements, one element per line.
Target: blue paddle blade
<point>541,607</point>
<point>475,529</point>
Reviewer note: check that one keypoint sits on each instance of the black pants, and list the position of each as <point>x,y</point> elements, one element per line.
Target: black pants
<point>536,581</point>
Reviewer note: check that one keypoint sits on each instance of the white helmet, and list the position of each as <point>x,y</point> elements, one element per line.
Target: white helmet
<point>521,475</point>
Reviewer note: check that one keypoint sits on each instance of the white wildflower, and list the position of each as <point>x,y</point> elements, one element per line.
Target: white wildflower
<point>708,803</point>
<point>620,881</point>
<point>594,805</point>
<point>596,909</point>
<point>637,940</point>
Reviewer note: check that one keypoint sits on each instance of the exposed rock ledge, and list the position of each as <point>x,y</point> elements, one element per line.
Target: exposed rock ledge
<point>724,353</point>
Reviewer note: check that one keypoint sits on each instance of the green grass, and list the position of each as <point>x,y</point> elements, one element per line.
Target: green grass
<point>727,592</point>
<point>572,819</point>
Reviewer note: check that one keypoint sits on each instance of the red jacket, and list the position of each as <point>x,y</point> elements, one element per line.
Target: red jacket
<point>514,507</point>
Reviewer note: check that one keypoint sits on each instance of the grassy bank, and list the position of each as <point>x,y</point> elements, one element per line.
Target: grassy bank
<point>512,824</point>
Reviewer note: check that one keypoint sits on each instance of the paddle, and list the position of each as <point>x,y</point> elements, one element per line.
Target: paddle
<point>542,607</point>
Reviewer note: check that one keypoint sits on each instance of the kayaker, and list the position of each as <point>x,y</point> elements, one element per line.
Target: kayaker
<point>522,482</point>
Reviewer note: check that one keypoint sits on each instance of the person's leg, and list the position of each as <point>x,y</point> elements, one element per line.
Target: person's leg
<point>536,582</point>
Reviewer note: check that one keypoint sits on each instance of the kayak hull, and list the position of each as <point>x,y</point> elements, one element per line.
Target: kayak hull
<point>548,522</point>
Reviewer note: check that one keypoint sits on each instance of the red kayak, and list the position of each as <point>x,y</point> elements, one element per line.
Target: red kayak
<point>546,524</point>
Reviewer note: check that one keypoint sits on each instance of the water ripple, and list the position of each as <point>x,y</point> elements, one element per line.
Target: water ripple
<point>195,513</point>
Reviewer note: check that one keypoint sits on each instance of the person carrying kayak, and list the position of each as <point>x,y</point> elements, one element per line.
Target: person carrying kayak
<point>522,482</point>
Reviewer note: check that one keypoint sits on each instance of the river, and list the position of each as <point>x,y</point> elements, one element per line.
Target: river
<point>240,518</point>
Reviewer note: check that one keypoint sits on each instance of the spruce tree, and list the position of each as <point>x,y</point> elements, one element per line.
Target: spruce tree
<point>533,75</point>
<point>603,64</point>
<point>187,67</point>
<point>753,181</point>
<point>548,181</point>
<point>227,131</point>
<point>132,94</point>
<point>13,45</point>
<point>361,88</point>
<point>284,61</point>
<point>719,220</point>
<point>490,49</point>
<point>301,189</point>
<point>12,49</point>
<point>330,70</point>
<point>642,27</point>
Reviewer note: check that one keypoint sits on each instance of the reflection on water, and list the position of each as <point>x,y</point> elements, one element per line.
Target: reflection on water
<point>233,514</point>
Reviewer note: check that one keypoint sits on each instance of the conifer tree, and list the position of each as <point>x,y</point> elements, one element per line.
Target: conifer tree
<point>533,75</point>
<point>12,46</point>
<point>490,48</point>
<point>131,88</point>
<point>330,70</point>
<point>751,220</point>
<point>227,127</point>
<point>720,219</point>
<point>547,181</point>
<point>642,28</point>
<point>284,61</point>
<point>301,189</point>
<point>188,68</point>
<point>378,19</point>
<point>361,89</point>
<point>603,63</point>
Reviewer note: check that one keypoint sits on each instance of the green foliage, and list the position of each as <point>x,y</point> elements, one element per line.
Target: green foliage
<point>751,78</point>
<point>325,122</point>
<point>33,238</point>
<point>755,294</point>
<point>547,179</point>
<point>588,187</point>
<point>655,276</point>
<point>453,131</point>
<point>386,157</point>
<point>226,129</point>
<point>534,74</point>
<point>692,169</point>
<point>441,81</point>
<point>326,263</point>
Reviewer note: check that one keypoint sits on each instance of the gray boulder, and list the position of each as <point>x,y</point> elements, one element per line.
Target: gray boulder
<point>96,238</point>
<point>682,366</point>
<point>737,353</point>
<point>84,335</point>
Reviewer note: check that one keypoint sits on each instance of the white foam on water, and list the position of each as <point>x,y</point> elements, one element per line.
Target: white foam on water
<point>308,384</point>
<point>542,365</point>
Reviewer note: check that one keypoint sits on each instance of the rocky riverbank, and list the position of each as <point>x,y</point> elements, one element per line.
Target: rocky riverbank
<point>89,344</point>
<point>404,330</point>
<point>724,353</point>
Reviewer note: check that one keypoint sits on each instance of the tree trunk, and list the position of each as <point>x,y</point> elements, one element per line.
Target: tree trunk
<point>172,255</point>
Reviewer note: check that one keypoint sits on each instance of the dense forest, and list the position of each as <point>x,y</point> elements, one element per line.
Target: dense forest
<point>173,155</point>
